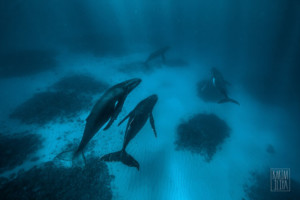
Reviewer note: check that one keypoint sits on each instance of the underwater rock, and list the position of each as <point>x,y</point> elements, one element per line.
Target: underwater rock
<point>50,181</point>
<point>17,148</point>
<point>26,62</point>
<point>62,102</point>
<point>207,92</point>
<point>258,188</point>
<point>202,134</point>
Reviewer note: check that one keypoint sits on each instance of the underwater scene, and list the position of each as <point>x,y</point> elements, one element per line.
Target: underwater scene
<point>150,100</point>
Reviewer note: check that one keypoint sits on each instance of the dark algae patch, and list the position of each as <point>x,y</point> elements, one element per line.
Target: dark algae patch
<point>48,106</point>
<point>61,101</point>
<point>258,188</point>
<point>49,181</point>
<point>202,134</point>
<point>17,148</point>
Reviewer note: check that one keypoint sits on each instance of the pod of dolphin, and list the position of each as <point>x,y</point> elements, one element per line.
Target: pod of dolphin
<point>108,107</point>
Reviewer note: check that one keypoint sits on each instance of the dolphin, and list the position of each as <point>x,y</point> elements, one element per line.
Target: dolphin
<point>158,53</point>
<point>220,84</point>
<point>137,119</point>
<point>107,108</point>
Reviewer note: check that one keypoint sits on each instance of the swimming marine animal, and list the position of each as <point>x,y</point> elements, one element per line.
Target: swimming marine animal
<point>137,119</point>
<point>158,53</point>
<point>220,84</point>
<point>107,108</point>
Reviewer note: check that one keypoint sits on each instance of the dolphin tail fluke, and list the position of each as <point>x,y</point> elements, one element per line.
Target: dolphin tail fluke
<point>78,159</point>
<point>121,156</point>
<point>228,100</point>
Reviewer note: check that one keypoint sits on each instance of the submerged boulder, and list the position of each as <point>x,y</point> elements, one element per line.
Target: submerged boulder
<point>202,134</point>
<point>50,181</point>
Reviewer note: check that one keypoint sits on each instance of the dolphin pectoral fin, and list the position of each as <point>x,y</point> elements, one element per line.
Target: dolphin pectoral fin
<point>152,124</point>
<point>109,123</point>
<point>228,100</point>
<point>124,118</point>
<point>117,111</point>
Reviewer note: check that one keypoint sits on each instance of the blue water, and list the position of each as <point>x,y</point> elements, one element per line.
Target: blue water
<point>254,44</point>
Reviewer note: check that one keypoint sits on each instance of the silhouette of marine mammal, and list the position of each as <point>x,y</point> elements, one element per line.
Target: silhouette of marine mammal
<point>220,84</point>
<point>158,53</point>
<point>137,119</point>
<point>106,108</point>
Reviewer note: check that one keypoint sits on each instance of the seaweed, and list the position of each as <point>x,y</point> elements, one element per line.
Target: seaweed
<point>202,134</point>
<point>17,148</point>
<point>50,181</point>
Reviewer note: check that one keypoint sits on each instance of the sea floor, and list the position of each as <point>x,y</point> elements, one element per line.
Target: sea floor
<point>256,142</point>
